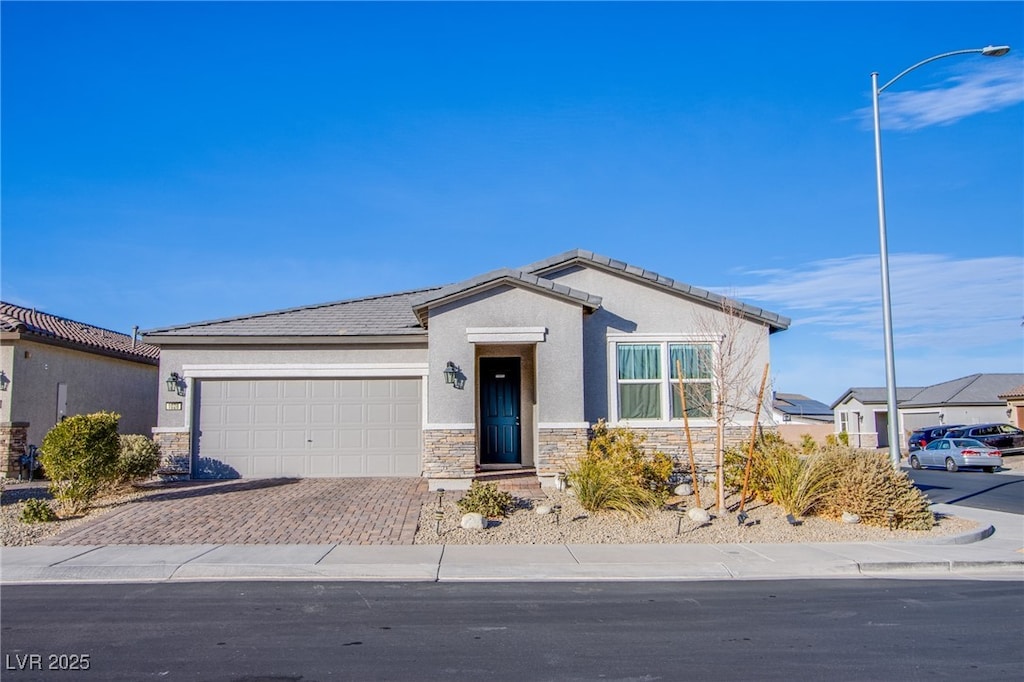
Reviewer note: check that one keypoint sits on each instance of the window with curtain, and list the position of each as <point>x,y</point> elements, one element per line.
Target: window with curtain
<point>647,380</point>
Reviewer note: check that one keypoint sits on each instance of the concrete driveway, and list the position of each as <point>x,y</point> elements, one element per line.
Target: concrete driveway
<point>352,511</point>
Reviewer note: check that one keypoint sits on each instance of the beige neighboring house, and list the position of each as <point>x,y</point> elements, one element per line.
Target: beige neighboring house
<point>973,399</point>
<point>1014,406</point>
<point>52,367</point>
<point>506,371</point>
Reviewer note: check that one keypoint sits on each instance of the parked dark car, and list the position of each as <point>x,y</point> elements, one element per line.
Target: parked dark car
<point>1005,437</point>
<point>926,434</point>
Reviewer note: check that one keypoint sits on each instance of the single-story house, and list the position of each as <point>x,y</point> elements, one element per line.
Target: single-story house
<point>797,415</point>
<point>506,370</point>
<point>973,399</point>
<point>1014,405</point>
<point>52,367</point>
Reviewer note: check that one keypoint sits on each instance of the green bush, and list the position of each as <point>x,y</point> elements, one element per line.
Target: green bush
<point>37,511</point>
<point>616,475</point>
<point>807,444</point>
<point>769,445</point>
<point>137,459</point>
<point>486,499</point>
<point>80,456</point>
<point>800,484</point>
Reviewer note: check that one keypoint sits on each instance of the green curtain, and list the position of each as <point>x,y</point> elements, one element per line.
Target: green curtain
<point>640,401</point>
<point>695,358</point>
<point>639,361</point>
<point>698,401</point>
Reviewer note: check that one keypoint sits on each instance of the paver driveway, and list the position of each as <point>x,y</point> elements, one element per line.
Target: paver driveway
<point>352,511</point>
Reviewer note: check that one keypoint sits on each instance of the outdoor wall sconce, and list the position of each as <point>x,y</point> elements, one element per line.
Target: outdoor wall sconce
<point>453,375</point>
<point>787,418</point>
<point>4,381</point>
<point>175,384</point>
<point>1009,412</point>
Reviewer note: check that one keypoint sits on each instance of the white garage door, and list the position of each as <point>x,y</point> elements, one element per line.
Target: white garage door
<point>307,428</point>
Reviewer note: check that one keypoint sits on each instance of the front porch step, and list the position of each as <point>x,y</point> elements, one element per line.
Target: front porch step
<point>520,482</point>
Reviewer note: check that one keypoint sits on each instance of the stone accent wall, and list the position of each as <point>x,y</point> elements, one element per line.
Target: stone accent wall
<point>558,449</point>
<point>449,453</point>
<point>175,453</point>
<point>673,443</point>
<point>13,444</point>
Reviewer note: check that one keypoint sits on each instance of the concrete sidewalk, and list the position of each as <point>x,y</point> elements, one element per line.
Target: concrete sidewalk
<point>996,550</point>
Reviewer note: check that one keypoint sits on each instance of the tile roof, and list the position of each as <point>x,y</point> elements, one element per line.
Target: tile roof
<point>1017,392</point>
<point>503,275</point>
<point>874,395</point>
<point>33,323</point>
<point>386,315</point>
<point>975,389</point>
<point>774,320</point>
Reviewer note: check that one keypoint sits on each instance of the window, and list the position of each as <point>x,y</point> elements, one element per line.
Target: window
<point>647,380</point>
<point>844,422</point>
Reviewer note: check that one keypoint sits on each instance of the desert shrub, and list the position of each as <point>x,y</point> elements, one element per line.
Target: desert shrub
<point>807,444</point>
<point>769,445</point>
<point>800,484</point>
<point>80,456</point>
<point>37,511</point>
<point>869,486</point>
<point>137,459</point>
<point>486,499</point>
<point>616,474</point>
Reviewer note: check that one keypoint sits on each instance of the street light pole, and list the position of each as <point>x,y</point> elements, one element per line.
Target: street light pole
<point>890,361</point>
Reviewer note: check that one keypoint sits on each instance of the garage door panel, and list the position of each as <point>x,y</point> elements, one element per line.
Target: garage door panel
<point>266,440</point>
<point>351,415</point>
<point>308,427</point>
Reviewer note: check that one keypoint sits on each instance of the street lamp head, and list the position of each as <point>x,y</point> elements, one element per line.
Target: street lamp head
<point>995,51</point>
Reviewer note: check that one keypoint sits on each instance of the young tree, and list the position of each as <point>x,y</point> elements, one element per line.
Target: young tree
<point>739,350</point>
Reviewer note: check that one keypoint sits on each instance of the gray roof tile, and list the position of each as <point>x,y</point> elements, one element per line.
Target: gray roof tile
<point>774,320</point>
<point>386,315</point>
<point>975,389</point>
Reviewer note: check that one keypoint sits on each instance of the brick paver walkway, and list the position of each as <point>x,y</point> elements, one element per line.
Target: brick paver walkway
<point>351,511</point>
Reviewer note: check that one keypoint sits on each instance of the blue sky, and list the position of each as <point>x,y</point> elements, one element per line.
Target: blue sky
<point>164,163</point>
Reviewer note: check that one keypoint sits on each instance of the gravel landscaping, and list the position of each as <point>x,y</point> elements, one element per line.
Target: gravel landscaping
<point>574,525</point>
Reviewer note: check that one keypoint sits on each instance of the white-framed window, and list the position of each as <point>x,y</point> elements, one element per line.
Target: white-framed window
<point>844,422</point>
<point>645,378</point>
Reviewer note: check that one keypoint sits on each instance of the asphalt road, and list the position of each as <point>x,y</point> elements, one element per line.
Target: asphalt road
<point>1004,493</point>
<point>780,630</point>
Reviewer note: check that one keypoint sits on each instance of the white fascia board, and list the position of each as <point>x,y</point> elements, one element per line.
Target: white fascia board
<point>450,427</point>
<point>305,370</point>
<point>506,334</point>
<point>670,338</point>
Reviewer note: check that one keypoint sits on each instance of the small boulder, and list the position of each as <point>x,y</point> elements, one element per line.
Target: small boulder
<point>850,518</point>
<point>683,490</point>
<point>543,509</point>
<point>473,521</point>
<point>699,515</point>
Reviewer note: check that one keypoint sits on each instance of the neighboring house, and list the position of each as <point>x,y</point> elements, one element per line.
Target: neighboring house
<point>507,370</point>
<point>973,399</point>
<point>797,415</point>
<point>1014,406</point>
<point>52,367</point>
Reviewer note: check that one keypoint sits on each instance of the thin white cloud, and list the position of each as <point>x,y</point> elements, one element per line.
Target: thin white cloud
<point>985,88</point>
<point>937,300</point>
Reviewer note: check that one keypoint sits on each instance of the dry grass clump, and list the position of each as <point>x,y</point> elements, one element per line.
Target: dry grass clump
<point>829,481</point>
<point>870,487</point>
<point>616,475</point>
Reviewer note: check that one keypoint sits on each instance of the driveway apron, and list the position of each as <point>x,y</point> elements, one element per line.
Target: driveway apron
<point>352,511</point>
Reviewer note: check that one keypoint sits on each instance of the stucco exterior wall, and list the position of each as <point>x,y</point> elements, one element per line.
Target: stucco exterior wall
<point>7,365</point>
<point>94,383</point>
<point>559,358</point>
<point>632,307</point>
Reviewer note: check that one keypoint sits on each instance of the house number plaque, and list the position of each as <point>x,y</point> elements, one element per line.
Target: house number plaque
<point>172,407</point>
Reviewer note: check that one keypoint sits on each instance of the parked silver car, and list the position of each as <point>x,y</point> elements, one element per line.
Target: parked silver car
<point>957,453</point>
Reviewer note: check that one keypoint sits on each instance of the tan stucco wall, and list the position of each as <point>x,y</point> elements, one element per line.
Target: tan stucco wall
<point>94,383</point>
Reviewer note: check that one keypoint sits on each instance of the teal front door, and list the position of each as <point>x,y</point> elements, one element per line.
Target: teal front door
<point>499,411</point>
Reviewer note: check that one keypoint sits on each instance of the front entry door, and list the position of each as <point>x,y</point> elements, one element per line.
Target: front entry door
<point>499,411</point>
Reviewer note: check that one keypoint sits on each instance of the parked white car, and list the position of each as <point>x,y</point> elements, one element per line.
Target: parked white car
<point>957,453</point>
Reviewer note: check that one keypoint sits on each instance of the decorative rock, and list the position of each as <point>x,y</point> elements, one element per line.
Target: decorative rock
<point>850,518</point>
<point>699,515</point>
<point>473,521</point>
<point>683,490</point>
<point>543,509</point>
